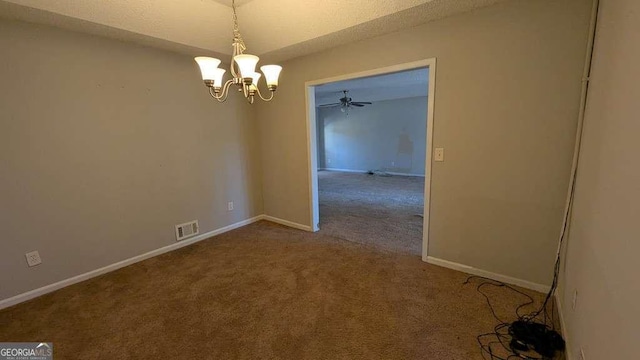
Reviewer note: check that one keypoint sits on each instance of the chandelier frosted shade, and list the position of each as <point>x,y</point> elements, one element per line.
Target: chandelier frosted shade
<point>271,74</point>
<point>247,64</point>
<point>218,74</point>
<point>255,76</point>
<point>208,67</point>
<point>254,81</point>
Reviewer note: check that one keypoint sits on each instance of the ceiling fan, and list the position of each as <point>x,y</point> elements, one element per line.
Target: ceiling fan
<point>346,102</point>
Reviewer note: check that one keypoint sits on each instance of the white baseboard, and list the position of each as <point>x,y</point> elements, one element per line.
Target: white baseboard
<point>343,170</point>
<point>488,274</point>
<point>91,274</point>
<point>403,174</point>
<point>366,171</point>
<point>568,353</point>
<point>287,223</point>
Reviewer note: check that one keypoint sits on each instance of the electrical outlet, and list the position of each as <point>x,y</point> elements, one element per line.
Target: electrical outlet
<point>33,258</point>
<point>438,154</point>
<point>230,206</point>
<point>328,161</point>
<point>575,299</point>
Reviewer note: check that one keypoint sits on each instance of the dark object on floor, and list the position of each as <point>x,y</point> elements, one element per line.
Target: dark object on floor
<point>378,172</point>
<point>530,335</point>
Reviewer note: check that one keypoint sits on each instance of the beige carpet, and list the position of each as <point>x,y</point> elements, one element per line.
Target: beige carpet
<point>264,292</point>
<point>378,211</point>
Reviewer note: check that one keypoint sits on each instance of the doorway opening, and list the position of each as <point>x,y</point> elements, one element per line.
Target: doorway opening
<point>369,137</point>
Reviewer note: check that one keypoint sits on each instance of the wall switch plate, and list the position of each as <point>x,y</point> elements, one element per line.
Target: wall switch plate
<point>33,258</point>
<point>230,206</point>
<point>438,154</point>
<point>575,299</point>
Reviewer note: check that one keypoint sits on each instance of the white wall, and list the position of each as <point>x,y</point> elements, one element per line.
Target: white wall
<point>506,103</point>
<point>104,147</point>
<point>386,135</point>
<point>604,243</point>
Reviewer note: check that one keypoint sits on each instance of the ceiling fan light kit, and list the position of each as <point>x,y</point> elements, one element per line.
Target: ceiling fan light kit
<point>243,70</point>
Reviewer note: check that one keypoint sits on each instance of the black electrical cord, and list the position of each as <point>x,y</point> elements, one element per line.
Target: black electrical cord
<point>490,282</point>
<point>496,344</point>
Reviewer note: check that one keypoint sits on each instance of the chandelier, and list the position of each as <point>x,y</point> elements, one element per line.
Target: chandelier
<point>243,70</point>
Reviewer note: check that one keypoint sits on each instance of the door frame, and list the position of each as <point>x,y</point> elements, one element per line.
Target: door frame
<point>312,150</point>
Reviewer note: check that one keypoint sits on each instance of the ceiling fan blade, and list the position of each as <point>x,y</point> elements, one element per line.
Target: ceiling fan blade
<point>361,102</point>
<point>330,105</point>
<point>356,104</point>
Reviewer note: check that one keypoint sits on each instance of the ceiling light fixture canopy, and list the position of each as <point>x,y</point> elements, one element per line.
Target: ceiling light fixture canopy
<point>243,70</point>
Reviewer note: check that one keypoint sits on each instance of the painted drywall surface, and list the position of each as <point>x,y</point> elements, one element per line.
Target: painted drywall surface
<point>604,243</point>
<point>104,147</point>
<point>506,104</point>
<point>386,135</point>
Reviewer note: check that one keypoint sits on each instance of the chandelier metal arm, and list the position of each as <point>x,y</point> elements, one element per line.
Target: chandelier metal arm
<point>262,97</point>
<point>221,95</point>
<point>245,90</point>
<point>248,92</point>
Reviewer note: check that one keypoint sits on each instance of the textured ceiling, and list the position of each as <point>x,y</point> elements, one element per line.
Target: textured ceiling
<point>405,84</point>
<point>279,29</point>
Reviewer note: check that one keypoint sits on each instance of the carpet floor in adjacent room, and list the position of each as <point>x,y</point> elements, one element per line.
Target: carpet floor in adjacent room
<point>265,291</point>
<point>380,211</point>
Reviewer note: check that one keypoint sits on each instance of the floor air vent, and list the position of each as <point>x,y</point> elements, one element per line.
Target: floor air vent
<point>187,230</point>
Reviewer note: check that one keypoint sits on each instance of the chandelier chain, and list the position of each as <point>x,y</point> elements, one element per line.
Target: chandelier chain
<point>237,38</point>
